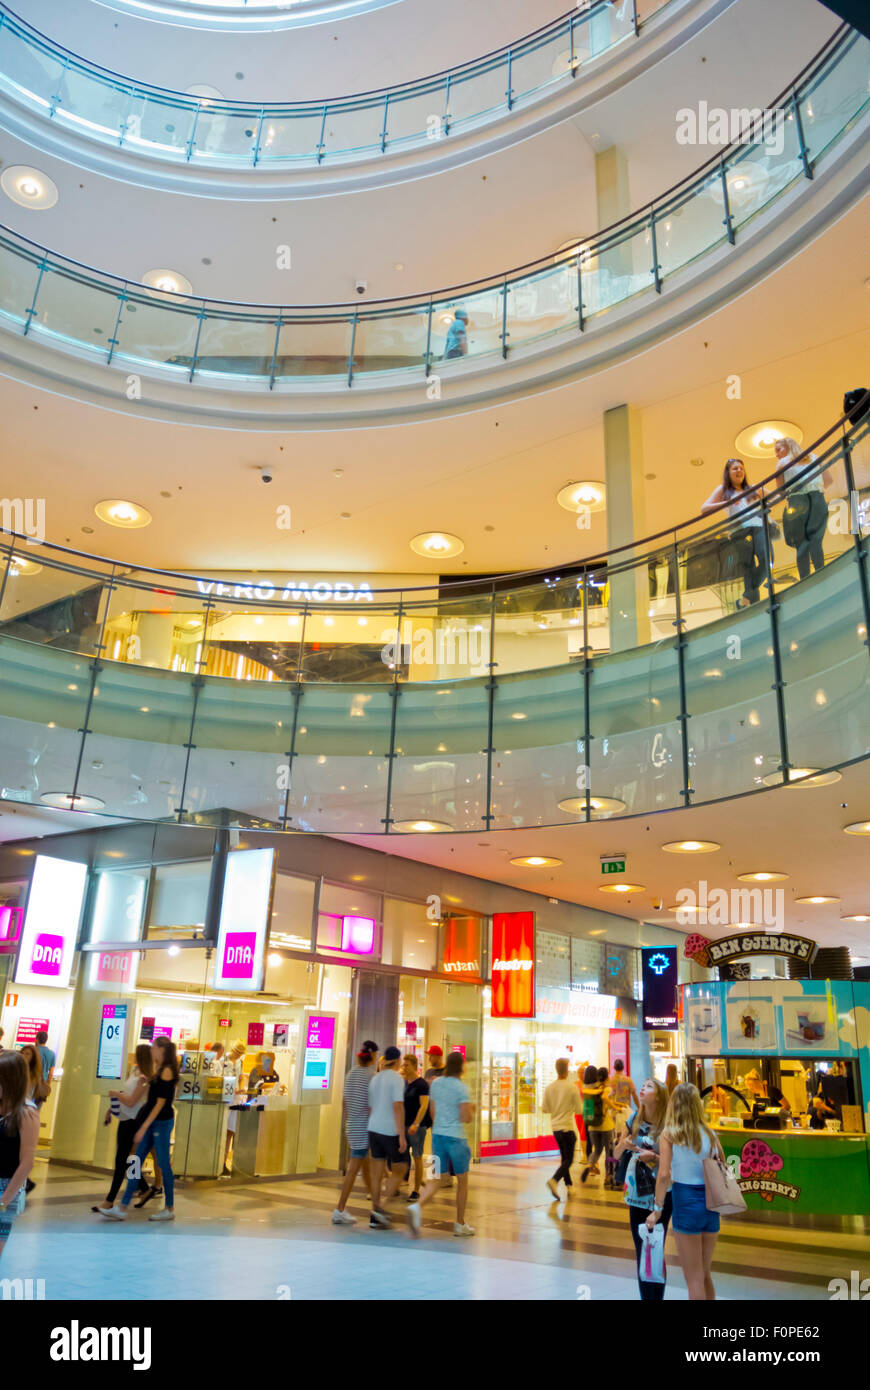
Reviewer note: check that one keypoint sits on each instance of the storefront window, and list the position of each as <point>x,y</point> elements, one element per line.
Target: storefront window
<point>179,898</point>
<point>446,1015</point>
<point>292,912</point>
<point>349,922</point>
<point>410,938</point>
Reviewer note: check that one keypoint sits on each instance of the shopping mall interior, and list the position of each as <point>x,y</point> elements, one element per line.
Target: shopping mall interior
<point>482,394</point>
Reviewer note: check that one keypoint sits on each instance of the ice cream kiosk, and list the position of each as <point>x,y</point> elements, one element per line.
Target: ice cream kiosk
<point>783,1067</point>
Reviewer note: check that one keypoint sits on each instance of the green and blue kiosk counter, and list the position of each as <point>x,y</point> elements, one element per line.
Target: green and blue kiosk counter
<point>785,1030</point>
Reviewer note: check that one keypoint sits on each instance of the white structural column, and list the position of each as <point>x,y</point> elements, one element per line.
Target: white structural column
<point>628,591</point>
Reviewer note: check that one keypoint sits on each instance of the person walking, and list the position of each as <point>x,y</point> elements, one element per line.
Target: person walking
<point>19,1132</point>
<point>561,1100</point>
<point>456,342</point>
<point>387,1142</point>
<point>598,1114</point>
<point>355,1103</point>
<point>672,1077</point>
<point>451,1110</point>
<point>126,1104</point>
<point>416,1113</point>
<point>624,1096</point>
<point>37,1090</point>
<point>47,1057</point>
<point>685,1141</point>
<point>155,1123</point>
<point>641,1143</point>
<point>435,1069</point>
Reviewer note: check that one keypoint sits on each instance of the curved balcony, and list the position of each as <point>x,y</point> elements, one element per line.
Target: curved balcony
<point>680,257</point>
<point>629,683</point>
<point>89,102</point>
<point>244,14</point>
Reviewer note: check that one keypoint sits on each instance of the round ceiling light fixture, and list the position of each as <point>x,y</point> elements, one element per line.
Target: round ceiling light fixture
<point>422,826</point>
<point>856,917</point>
<point>204,92</point>
<point>66,801</point>
<point>858,827</point>
<point>437,545</point>
<point>29,188</point>
<point>763,876</point>
<point>536,861</point>
<point>600,806</point>
<point>691,846</point>
<point>167,282</point>
<point>757,441</point>
<point>583,497</point>
<point>116,512</point>
<point>19,565</point>
<point>802,777</point>
<point>818,900</point>
<point>622,888</point>
<point>571,250</point>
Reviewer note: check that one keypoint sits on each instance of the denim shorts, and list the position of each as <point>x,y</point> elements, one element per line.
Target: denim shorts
<point>691,1216</point>
<point>453,1154</point>
<point>359,1153</point>
<point>416,1142</point>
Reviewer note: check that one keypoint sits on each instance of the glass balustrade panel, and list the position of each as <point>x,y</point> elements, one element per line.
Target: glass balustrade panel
<point>75,310</point>
<point>537,66</point>
<point>766,162</point>
<point>239,762</point>
<point>690,225</point>
<point>539,626</point>
<point>19,277</point>
<point>291,136</point>
<point>479,332</point>
<point>309,346</point>
<point>389,342</point>
<point>236,345</point>
<point>43,700</point>
<point>542,304</point>
<point>159,126</point>
<point>539,773</point>
<point>156,625</point>
<point>417,115</point>
<point>446,639</point>
<point>341,783</point>
<point>477,94</point>
<point>225,134</point>
<point>835,96</point>
<point>616,269</point>
<point>440,768</point>
<point>95,108</point>
<point>28,71</point>
<point>46,602</point>
<point>158,332</point>
<point>354,128</point>
<point>635,754</point>
<point>352,642</point>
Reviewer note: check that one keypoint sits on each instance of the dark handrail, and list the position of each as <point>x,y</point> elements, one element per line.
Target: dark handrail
<point>444,588</point>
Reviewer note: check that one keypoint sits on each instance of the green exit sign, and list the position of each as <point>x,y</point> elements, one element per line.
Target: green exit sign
<point>613,866</point>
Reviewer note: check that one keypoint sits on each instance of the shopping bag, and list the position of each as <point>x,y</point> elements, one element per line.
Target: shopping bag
<point>722,1188</point>
<point>653,1269</point>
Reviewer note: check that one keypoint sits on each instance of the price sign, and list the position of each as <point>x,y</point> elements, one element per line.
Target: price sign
<point>112,1051</point>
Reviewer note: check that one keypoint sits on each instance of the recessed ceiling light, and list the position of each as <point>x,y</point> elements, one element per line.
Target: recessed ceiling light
<point>167,281</point>
<point>204,91</point>
<point>818,900</point>
<point>803,777</point>
<point>600,806</point>
<point>421,827</point>
<point>583,497</point>
<point>622,888</point>
<point>65,801</point>
<point>437,545</point>
<point>762,876</point>
<point>21,566</point>
<point>858,827</point>
<point>518,715</point>
<point>856,917</point>
<point>757,441</point>
<point>691,846</point>
<point>116,512</point>
<point>28,187</point>
<point>536,861</point>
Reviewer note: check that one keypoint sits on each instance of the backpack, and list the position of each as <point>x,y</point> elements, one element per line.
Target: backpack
<point>593,1109</point>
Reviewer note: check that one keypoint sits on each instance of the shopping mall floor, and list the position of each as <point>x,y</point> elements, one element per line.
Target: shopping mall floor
<point>276,1241</point>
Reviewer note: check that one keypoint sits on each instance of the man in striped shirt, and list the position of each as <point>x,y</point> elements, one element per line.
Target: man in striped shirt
<point>356,1119</point>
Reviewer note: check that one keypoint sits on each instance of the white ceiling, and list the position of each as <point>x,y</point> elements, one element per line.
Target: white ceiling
<point>795,348</point>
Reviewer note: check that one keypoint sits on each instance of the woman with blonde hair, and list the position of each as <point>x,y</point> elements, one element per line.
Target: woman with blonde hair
<point>672,1077</point>
<point>806,514</point>
<point>685,1141</point>
<point>19,1132</point>
<point>642,1144</point>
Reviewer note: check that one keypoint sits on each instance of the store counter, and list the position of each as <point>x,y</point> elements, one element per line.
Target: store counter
<point>811,1172</point>
<point>200,1136</point>
<point>276,1138</point>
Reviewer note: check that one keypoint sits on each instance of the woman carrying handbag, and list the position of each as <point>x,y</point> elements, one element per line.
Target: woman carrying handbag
<point>686,1146</point>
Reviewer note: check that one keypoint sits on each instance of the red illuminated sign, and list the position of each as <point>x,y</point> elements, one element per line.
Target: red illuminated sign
<point>513,965</point>
<point>461,950</point>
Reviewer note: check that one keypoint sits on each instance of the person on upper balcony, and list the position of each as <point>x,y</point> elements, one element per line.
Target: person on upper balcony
<point>736,493</point>
<point>806,512</point>
<point>456,342</point>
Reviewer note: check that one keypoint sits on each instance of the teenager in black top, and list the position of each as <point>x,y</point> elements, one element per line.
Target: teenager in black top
<point>156,1120</point>
<point>19,1131</point>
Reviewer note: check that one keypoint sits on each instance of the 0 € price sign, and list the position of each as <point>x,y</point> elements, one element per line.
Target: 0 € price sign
<point>113,1038</point>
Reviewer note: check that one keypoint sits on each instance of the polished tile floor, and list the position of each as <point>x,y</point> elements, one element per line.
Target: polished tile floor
<point>276,1241</point>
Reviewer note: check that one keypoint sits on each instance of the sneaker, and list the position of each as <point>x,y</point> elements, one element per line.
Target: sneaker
<point>585,1174</point>
<point>412,1197</point>
<point>462,1228</point>
<point>554,1188</point>
<point>379,1221</point>
<point>164,1215</point>
<point>343,1218</point>
<point>415,1218</point>
<point>115,1213</point>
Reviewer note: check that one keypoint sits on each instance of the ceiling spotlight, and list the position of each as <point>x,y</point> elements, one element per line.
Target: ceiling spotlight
<point>691,846</point>
<point>583,497</point>
<point>19,565</point>
<point>66,801</point>
<point>762,876</point>
<point>167,281</point>
<point>116,512</point>
<point>817,901</point>
<point>28,187</point>
<point>437,545</point>
<point>536,861</point>
<point>757,441</point>
<point>421,827</point>
<point>858,827</point>
<point>600,806</point>
<point>803,777</point>
<point>622,888</point>
<point>856,917</point>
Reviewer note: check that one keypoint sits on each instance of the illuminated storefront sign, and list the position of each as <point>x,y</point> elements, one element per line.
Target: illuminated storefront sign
<point>513,965</point>
<point>660,974</point>
<point>730,948</point>
<point>10,927</point>
<point>460,952</point>
<point>51,923</point>
<point>575,1006</point>
<point>294,590</point>
<point>244,920</point>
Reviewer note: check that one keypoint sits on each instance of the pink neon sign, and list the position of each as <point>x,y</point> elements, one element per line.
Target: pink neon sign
<point>358,935</point>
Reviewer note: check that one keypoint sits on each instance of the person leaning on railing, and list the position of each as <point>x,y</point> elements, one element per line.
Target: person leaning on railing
<point>806,513</point>
<point>736,493</point>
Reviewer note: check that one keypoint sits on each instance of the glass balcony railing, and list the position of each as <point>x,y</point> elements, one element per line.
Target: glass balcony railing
<point>101,105</point>
<point>726,656</point>
<point>125,325</point>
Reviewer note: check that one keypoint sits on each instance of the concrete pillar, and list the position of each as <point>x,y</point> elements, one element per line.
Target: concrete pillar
<point>614,202</point>
<point>154,631</point>
<point>623,473</point>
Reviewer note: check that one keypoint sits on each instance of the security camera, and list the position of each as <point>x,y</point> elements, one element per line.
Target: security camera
<point>360,286</point>
<point>266,475</point>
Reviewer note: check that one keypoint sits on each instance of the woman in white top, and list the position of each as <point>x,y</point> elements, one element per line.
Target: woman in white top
<point>685,1141</point>
<point>737,494</point>
<point>127,1104</point>
<point>806,514</point>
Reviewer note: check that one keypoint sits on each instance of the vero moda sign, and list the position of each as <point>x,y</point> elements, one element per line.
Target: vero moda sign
<point>513,965</point>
